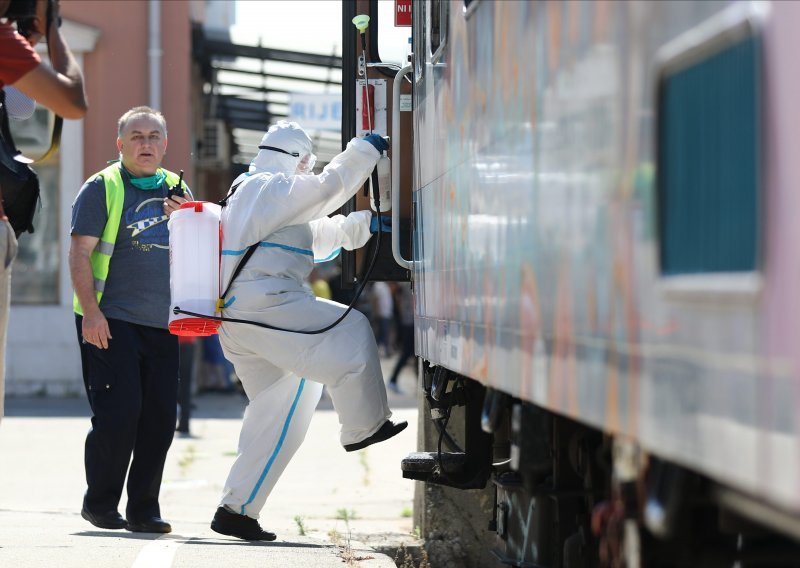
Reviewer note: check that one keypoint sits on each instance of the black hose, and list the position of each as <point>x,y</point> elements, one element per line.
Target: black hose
<point>448,439</point>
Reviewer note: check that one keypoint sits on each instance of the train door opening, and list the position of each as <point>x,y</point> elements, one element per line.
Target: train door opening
<point>370,62</point>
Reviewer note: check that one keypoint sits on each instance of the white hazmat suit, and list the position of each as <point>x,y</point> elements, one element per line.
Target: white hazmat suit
<point>283,373</point>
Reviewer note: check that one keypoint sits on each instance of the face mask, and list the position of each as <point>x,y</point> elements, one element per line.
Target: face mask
<point>150,182</point>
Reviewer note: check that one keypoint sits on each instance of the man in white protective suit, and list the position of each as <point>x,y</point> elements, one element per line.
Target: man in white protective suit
<point>281,206</point>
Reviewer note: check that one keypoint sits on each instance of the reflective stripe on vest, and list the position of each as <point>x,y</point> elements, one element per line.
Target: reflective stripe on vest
<point>101,255</point>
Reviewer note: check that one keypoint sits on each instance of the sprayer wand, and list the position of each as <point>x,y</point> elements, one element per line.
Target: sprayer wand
<point>362,22</point>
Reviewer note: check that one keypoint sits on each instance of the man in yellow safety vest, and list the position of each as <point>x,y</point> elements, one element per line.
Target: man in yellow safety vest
<point>119,263</point>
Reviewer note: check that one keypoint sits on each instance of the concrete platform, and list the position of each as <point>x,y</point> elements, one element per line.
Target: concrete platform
<point>326,503</point>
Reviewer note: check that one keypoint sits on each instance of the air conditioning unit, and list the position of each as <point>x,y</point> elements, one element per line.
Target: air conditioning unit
<point>214,149</point>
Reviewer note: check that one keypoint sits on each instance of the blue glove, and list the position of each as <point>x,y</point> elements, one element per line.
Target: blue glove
<point>377,140</point>
<point>386,224</point>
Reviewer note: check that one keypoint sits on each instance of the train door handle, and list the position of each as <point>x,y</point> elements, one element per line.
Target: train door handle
<point>398,81</point>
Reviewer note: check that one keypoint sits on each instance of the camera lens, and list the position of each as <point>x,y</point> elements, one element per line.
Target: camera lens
<point>25,27</point>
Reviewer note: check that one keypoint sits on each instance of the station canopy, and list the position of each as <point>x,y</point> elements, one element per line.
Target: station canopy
<point>247,88</point>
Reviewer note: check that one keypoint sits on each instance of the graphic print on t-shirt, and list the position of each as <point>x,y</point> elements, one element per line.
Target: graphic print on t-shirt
<point>147,225</point>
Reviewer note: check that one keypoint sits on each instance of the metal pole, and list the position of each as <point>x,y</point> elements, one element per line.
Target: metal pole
<point>154,52</point>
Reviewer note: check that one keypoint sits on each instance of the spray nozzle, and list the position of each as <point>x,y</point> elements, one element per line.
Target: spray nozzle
<point>361,22</point>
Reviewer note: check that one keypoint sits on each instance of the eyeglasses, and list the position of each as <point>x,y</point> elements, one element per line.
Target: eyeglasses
<point>274,149</point>
<point>308,167</point>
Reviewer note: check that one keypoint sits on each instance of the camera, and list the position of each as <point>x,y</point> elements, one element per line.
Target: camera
<point>23,12</point>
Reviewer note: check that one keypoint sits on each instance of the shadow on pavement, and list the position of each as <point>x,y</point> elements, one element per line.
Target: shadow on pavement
<point>195,540</point>
<point>274,544</point>
<point>207,405</point>
<point>46,407</point>
<point>204,406</point>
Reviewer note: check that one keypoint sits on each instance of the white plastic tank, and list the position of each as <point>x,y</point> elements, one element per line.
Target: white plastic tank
<point>194,252</point>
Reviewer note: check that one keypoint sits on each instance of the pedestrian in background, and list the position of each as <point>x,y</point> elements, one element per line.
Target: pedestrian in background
<point>405,308</point>
<point>187,346</point>
<point>319,285</point>
<point>384,314</point>
<point>216,372</point>
<point>119,263</point>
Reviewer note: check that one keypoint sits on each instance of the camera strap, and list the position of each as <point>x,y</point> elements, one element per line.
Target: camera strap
<point>55,138</point>
<point>4,133</point>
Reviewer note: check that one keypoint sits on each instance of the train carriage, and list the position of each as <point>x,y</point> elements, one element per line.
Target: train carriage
<point>599,204</point>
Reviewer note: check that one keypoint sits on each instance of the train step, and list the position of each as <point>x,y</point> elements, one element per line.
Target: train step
<point>424,465</point>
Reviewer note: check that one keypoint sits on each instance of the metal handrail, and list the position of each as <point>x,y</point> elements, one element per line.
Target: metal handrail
<point>398,81</point>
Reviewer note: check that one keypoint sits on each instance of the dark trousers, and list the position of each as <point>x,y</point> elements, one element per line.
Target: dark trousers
<point>407,350</point>
<point>185,389</point>
<point>132,389</point>
<point>384,325</point>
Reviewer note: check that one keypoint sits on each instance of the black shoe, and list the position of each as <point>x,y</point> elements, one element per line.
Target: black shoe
<point>110,520</point>
<point>149,525</point>
<point>388,430</point>
<point>240,526</point>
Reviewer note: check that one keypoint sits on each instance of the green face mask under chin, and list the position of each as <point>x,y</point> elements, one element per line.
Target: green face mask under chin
<point>150,182</point>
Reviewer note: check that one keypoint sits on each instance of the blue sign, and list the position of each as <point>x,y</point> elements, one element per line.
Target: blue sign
<point>317,111</point>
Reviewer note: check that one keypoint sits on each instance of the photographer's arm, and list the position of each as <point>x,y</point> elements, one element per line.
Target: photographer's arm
<point>59,88</point>
<point>95,327</point>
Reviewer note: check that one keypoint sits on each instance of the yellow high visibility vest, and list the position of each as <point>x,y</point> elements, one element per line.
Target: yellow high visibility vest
<point>115,197</point>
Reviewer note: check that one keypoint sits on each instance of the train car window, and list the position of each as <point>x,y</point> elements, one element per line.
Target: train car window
<point>469,7</point>
<point>709,164</point>
<point>435,11</point>
<point>438,29</point>
<point>392,40</point>
<point>420,41</point>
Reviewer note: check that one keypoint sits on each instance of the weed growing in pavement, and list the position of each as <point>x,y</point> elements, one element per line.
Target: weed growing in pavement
<point>187,459</point>
<point>404,559</point>
<point>346,548</point>
<point>301,524</point>
<point>346,516</point>
<point>417,533</point>
<point>363,459</point>
<point>349,556</point>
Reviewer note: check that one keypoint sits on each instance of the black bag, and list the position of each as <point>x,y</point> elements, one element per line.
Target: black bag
<point>19,184</point>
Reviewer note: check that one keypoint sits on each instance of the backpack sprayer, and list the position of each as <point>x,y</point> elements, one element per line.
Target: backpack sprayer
<point>195,231</point>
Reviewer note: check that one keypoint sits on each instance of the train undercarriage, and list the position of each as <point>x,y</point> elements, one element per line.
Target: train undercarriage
<point>507,483</point>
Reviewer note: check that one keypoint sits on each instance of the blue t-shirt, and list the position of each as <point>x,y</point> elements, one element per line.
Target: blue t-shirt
<point>137,286</point>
